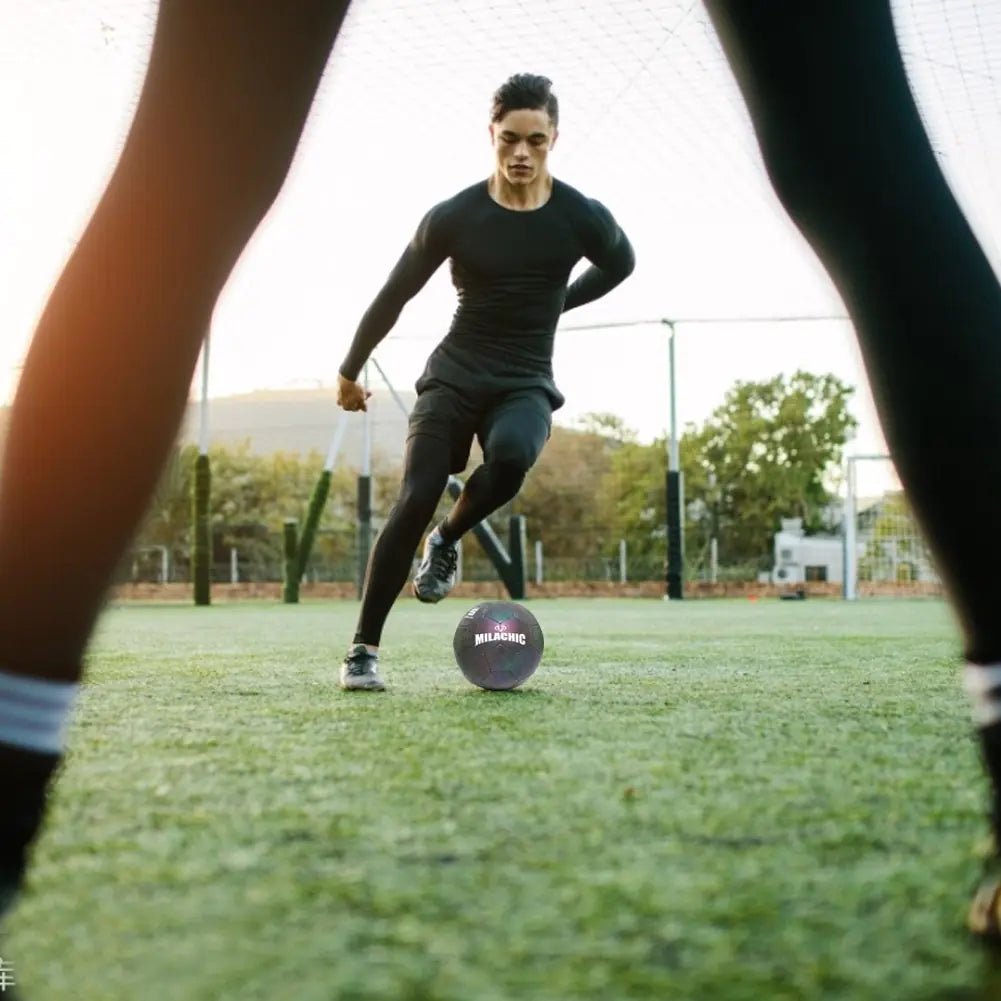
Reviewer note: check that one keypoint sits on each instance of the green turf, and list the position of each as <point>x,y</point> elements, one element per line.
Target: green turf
<point>705,800</point>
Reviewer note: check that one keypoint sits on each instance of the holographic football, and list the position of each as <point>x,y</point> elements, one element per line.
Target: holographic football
<point>498,645</point>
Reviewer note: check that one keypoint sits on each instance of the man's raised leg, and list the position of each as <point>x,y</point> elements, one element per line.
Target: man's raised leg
<point>514,434</point>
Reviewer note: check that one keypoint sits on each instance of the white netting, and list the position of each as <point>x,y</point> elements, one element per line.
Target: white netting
<point>891,556</point>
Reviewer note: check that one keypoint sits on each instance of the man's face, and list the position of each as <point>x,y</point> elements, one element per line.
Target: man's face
<point>522,140</point>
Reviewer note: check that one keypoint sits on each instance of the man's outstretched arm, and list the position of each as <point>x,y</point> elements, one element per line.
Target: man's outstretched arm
<point>421,259</point>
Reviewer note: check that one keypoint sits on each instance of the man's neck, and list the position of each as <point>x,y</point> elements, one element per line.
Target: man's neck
<point>521,197</point>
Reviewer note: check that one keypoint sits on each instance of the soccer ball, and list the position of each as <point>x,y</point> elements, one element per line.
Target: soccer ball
<point>498,645</point>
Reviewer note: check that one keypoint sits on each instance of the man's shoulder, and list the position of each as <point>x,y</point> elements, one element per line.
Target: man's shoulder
<point>444,218</point>
<point>579,203</point>
<point>461,200</point>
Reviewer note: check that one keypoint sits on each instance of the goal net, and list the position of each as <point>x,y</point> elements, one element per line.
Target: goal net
<point>885,553</point>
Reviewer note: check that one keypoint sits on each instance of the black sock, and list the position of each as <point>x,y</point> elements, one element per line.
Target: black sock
<point>990,752</point>
<point>24,781</point>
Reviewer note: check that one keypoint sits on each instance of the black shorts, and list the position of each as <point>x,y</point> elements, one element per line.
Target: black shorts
<point>511,426</point>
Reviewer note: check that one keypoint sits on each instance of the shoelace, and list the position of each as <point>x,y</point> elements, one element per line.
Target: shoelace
<point>359,662</point>
<point>443,560</point>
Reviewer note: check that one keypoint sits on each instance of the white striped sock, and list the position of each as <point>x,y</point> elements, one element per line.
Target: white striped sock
<point>34,711</point>
<point>983,684</point>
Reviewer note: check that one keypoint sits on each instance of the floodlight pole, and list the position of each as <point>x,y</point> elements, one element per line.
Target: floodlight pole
<point>674,488</point>
<point>674,485</point>
<point>674,455</point>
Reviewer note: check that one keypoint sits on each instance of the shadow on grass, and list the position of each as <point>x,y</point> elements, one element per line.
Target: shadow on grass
<point>507,693</point>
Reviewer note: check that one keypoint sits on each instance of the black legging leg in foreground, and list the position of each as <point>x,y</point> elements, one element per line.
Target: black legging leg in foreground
<point>851,163</point>
<point>105,382</point>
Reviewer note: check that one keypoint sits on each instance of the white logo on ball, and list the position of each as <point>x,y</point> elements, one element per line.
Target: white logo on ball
<point>519,638</point>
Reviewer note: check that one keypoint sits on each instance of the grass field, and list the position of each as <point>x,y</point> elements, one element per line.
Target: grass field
<point>705,800</point>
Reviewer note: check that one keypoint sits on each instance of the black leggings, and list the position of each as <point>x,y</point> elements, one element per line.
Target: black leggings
<point>850,160</point>
<point>424,477</point>
<point>512,429</point>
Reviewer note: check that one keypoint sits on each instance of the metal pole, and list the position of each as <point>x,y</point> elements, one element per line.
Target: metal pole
<point>623,576</point>
<point>713,528</point>
<point>290,564</point>
<point>518,574</point>
<point>201,549</point>
<point>849,588</point>
<point>234,566</point>
<point>713,321</point>
<point>365,494</point>
<point>203,426</point>
<point>458,562</point>
<point>335,443</point>
<point>366,457</point>
<point>538,561</point>
<point>673,456</point>
<point>674,490</point>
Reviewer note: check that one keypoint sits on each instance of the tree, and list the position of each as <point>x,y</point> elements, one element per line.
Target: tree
<point>251,497</point>
<point>768,451</point>
<point>771,449</point>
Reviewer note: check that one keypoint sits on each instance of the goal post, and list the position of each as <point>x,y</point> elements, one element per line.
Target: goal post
<point>885,553</point>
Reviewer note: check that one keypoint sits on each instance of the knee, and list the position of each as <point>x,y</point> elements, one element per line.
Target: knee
<point>797,175</point>
<point>420,496</point>
<point>507,476</point>
<point>511,457</point>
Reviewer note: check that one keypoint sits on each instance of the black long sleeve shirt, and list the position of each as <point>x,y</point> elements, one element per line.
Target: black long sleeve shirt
<point>510,271</point>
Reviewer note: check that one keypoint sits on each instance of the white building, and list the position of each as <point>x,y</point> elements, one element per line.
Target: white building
<point>800,558</point>
<point>888,545</point>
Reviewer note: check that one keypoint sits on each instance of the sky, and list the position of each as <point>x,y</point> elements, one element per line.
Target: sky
<point>651,124</point>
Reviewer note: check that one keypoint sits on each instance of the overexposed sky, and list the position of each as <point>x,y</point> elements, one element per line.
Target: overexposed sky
<point>651,124</point>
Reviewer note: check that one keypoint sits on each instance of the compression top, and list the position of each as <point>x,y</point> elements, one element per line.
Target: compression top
<point>510,271</point>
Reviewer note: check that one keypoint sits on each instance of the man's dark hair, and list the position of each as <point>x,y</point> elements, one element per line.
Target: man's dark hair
<point>525,90</point>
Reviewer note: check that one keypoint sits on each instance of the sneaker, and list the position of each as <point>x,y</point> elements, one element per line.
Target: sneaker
<point>360,671</point>
<point>435,576</point>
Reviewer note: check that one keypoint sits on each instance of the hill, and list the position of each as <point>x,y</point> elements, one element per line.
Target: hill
<point>296,420</point>
<point>302,420</point>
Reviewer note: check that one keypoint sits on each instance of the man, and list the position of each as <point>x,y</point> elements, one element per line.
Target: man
<point>227,91</point>
<point>513,241</point>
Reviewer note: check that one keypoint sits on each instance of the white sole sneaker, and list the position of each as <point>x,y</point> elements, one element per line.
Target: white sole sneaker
<point>360,671</point>
<point>435,576</point>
